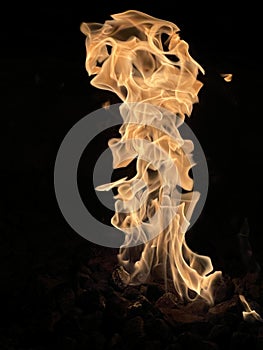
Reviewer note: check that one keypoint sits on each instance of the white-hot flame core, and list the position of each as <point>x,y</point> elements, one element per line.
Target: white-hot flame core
<point>143,60</point>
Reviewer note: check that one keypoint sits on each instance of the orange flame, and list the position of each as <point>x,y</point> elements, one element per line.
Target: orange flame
<point>143,60</point>
<point>227,77</point>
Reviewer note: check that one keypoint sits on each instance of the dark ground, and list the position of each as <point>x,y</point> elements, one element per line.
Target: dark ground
<point>45,265</point>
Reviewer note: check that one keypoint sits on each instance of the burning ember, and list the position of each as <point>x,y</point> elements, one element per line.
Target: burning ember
<point>143,60</point>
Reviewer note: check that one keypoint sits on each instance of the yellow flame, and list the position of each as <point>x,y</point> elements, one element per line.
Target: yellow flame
<point>145,62</point>
<point>129,58</point>
<point>227,77</point>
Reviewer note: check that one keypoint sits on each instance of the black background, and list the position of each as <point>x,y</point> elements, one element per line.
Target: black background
<point>45,90</point>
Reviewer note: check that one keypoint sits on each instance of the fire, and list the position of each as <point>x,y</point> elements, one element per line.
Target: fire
<point>227,77</point>
<point>249,314</point>
<point>144,61</point>
<point>106,105</point>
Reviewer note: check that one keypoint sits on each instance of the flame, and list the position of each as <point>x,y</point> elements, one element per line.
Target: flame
<point>143,60</point>
<point>249,314</point>
<point>227,77</point>
<point>106,105</point>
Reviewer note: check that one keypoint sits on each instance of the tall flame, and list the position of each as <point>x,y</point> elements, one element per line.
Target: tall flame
<point>143,60</point>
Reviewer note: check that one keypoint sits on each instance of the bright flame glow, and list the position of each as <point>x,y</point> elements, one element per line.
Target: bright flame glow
<point>143,60</point>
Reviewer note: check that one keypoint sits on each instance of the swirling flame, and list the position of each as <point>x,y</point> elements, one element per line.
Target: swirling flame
<point>143,60</point>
